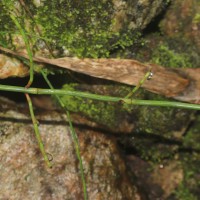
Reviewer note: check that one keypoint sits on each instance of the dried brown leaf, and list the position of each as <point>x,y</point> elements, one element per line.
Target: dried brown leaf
<point>175,83</point>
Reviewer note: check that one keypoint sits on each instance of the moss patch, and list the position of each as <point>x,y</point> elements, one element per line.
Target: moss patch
<point>190,158</point>
<point>98,111</point>
<point>165,56</point>
<point>80,28</point>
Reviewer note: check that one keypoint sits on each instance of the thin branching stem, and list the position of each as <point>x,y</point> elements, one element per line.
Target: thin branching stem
<point>31,72</point>
<point>39,91</point>
<point>36,130</point>
<point>73,135</point>
<point>137,87</point>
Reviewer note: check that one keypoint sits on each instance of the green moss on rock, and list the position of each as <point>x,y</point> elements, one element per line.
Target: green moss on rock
<point>6,25</point>
<point>190,161</point>
<point>145,119</point>
<point>81,28</point>
<point>161,120</point>
<point>99,111</point>
<point>167,57</point>
<point>89,28</point>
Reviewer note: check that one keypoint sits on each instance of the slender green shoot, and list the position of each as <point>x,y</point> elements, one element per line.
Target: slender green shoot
<point>30,54</point>
<point>73,135</point>
<point>147,76</point>
<point>36,130</point>
<point>27,44</point>
<point>31,72</point>
<point>39,91</point>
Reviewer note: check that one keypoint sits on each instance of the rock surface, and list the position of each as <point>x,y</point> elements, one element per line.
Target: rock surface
<point>23,173</point>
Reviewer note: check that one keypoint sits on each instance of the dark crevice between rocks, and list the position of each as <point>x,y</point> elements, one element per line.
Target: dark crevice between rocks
<point>153,26</point>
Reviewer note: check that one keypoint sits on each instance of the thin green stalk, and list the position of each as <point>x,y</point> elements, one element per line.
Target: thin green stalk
<point>30,54</point>
<point>73,135</point>
<point>24,36</point>
<point>141,82</point>
<point>39,91</point>
<point>37,133</point>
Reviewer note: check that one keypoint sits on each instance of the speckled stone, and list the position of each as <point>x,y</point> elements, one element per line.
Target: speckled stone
<point>24,175</point>
<point>136,13</point>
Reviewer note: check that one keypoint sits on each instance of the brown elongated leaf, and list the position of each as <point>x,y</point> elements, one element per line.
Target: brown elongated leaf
<point>181,84</point>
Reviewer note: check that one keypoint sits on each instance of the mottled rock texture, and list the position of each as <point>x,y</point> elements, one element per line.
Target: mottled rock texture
<point>137,13</point>
<point>179,44</point>
<point>23,174</point>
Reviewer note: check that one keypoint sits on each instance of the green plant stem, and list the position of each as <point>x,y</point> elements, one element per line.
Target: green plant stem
<point>30,54</point>
<point>37,133</point>
<point>25,38</point>
<point>73,135</point>
<point>141,82</point>
<point>39,91</point>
